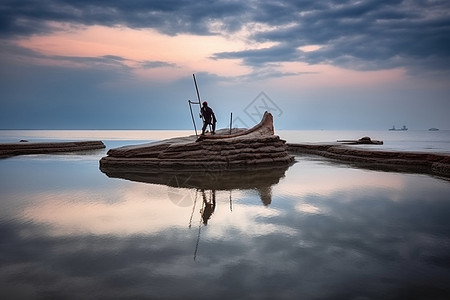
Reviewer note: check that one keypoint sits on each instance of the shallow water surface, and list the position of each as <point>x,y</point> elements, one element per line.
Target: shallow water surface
<point>316,230</point>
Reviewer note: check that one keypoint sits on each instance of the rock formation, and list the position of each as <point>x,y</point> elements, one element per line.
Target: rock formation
<point>24,147</point>
<point>398,161</point>
<point>256,147</point>
<point>362,141</point>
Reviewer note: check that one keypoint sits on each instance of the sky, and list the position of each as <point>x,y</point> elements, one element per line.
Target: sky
<point>333,65</point>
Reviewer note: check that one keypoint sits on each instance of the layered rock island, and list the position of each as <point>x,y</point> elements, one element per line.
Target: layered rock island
<point>257,147</point>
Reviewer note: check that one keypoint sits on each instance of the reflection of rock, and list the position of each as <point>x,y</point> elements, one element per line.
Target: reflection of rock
<point>259,179</point>
<point>209,180</point>
<point>266,195</point>
<point>251,148</point>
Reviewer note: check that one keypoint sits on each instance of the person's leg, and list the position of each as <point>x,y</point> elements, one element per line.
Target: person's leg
<point>214,127</point>
<point>204,127</point>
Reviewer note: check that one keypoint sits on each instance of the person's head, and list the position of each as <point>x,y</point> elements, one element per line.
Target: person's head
<point>205,103</point>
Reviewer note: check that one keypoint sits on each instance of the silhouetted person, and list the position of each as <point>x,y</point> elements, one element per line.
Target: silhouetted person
<point>209,118</point>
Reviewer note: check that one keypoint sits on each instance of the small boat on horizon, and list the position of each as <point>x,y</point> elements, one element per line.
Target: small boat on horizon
<point>433,129</point>
<point>404,128</point>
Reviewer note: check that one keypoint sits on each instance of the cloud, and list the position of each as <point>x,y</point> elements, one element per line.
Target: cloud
<point>363,35</point>
<point>257,57</point>
<point>170,17</point>
<point>359,35</point>
<point>83,92</point>
<point>156,64</point>
<point>287,47</point>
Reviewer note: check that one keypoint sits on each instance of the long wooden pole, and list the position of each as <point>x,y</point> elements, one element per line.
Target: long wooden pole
<point>196,88</point>
<point>199,101</point>
<point>192,115</point>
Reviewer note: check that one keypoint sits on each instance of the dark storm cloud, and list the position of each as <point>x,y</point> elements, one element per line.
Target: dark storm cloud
<point>364,35</point>
<point>25,17</point>
<point>369,35</point>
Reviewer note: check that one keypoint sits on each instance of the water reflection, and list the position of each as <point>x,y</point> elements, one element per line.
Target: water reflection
<point>68,231</point>
<point>260,179</point>
<point>205,185</point>
<point>208,206</point>
<point>207,179</point>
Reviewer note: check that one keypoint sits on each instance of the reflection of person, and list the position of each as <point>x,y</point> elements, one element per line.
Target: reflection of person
<point>209,118</point>
<point>210,206</point>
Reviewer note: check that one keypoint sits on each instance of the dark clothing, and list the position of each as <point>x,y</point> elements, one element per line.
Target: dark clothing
<point>208,118</point>
<point>208,115</point>
<point>213,127</point>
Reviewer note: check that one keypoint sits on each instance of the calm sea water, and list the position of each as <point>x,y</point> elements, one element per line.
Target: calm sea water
<point>315,230</point>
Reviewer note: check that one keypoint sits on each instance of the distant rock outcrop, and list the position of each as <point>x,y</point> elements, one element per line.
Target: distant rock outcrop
<point>362,141</point>
<point>398,161</point>
<point>24,147</point>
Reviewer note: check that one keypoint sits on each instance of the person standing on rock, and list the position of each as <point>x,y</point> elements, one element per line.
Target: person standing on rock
<point>209,118</point>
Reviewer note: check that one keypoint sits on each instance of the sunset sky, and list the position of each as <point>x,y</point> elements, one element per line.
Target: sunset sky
<point>93,64</point>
